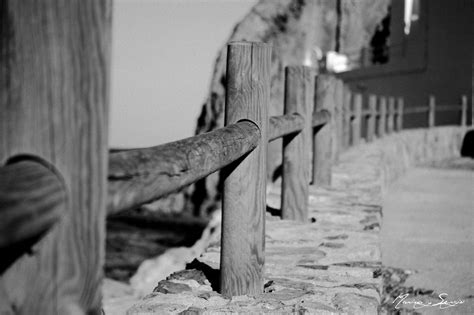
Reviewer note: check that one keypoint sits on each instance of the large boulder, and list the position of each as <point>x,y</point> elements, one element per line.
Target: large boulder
<point>297,30</point>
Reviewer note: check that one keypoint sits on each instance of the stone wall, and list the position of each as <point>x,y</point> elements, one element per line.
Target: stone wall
<point>332,264</point>
<point>296,29</point>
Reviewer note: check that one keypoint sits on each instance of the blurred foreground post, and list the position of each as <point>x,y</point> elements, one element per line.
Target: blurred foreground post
<point>299,93</point>
<point>244,196</point>
<point>53,107</point>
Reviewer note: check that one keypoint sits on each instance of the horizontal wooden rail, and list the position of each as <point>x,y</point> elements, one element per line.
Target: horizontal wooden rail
<point>448,108</point>
<point>280,126</point>
<point>32,200</point>
<point>142,175</point>
<point>320,118</point>
<point>415,110</point>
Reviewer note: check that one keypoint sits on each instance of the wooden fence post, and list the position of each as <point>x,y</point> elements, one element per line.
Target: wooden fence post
<point>324,137</point>
<point>382,116</point>
<point>464,110</point>
<point>338,116</point>
<point>356,119</point>
<point>299,94</point>
<point>399,121</point>
<point>54,104</point>
<point>431,111</point>
<point>244,197</point>
<point>371,117</point>
<point>391,115</point>
<point>346,117</point>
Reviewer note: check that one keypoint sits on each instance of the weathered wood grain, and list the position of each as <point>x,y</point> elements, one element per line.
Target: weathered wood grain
<point>391,115</point>
<point>143,175</point>
<point>371,117</point>
<point>463,110</point>
<point>244,196</point>
<point>32,200</point>
<point>323,137</point>
<point>299,95</point>
<point>283,125</point>
<point>320,118</point>
<point>400,113</point>
<point>431,111</point>
<point>356,120</point>
<point>346,117</point>
<point>54,78</point>
<point>382,117</point>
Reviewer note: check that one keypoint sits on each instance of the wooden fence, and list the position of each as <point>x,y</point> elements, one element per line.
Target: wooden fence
<point>54,192</point>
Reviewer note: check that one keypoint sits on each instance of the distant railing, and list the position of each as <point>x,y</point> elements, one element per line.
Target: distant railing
<point>321,118</point>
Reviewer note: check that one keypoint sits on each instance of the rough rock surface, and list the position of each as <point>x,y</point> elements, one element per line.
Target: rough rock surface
<point>331,264</point>
<point>295,29</point>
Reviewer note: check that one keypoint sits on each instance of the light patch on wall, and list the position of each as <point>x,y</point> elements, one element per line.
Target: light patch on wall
<point>411,14</point>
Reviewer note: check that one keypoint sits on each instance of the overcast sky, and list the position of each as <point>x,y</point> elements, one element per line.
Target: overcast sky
<point>162,57</point>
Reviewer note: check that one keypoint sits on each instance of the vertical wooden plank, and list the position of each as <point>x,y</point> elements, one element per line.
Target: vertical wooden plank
<point>381,126</point>
<point>323,138</point>
<point>299,94</point>
<point>338,117</point>
<point>371,117</point>
<point>399,121</point>
<point>346,121</point>
<point>431,111</point>
<point>391,115</point>
<point>463,110</point>
<point>356,119</point>
<point>54,80</point>
<point>244,203</point>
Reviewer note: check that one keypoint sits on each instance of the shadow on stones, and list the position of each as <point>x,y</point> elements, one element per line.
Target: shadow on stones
<point>274,211</point>
<point>277,173</point>
<point>467,148</point>
<point>212,275</point>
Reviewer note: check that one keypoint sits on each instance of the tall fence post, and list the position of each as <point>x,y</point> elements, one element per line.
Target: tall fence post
<point>356,119</point>
<point>323,138</point>
<point>381,126</point>
<point>391,115</point>
<point>338,116</point>
<point>54,82</point>
<point>346,117</point>
<point>399,121</point>
<point>431,111</point>
<point>463,110</point>
<point>371,117</point>
<point>299,94</point>
<point>244,196</point>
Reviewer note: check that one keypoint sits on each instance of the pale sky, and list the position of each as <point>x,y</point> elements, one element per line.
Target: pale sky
<point>163,52</point>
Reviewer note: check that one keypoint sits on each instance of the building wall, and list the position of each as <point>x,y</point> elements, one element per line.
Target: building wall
<point>436,59</point>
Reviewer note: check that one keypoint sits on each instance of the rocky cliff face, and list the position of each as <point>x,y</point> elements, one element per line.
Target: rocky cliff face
<point>297,29</point>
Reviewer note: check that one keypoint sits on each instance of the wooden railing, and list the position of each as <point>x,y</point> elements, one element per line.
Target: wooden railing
<point>54,158</point>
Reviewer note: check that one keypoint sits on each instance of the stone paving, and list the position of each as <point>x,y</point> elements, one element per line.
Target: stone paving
<point>332,264</point>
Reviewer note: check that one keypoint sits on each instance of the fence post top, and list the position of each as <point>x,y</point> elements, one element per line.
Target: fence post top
<point>248,43</point>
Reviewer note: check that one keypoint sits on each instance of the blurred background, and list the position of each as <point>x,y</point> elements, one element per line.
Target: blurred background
<point>162,58</point>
